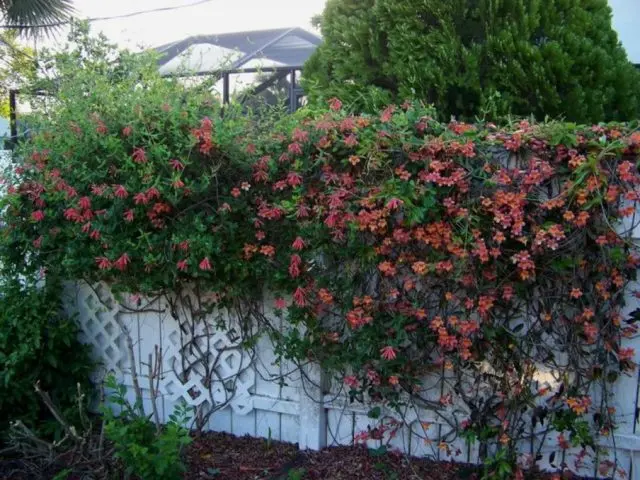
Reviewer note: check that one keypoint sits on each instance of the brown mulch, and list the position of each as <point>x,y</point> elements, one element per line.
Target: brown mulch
<point>355,463</point>
<point>221,456</point>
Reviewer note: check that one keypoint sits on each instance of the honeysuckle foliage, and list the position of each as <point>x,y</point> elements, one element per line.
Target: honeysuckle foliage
<point>472,270</point>
<point>140,163</point>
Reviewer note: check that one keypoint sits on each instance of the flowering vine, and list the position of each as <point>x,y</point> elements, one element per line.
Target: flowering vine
<point>475,271</point>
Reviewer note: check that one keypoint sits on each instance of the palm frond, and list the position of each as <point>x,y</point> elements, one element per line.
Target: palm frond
<point>31,16</point>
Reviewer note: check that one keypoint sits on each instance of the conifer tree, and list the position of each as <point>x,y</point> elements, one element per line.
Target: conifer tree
<point>558,58</point>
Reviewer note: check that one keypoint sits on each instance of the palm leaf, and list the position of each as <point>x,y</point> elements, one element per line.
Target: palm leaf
<point>31,16</point>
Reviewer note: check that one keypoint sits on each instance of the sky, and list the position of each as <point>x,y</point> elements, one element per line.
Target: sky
<point>215,16</point>
<point>626,20</point>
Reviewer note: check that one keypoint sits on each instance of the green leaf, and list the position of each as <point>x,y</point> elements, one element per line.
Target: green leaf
<point>374,412</point>
<point>378,452</point>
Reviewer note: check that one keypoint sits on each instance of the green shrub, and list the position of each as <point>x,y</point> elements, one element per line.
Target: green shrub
<point>38,343</point>
<point>482,57</point>
<point>147,450</point>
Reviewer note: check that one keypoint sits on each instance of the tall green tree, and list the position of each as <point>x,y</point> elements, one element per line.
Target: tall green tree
<point>557,58</point>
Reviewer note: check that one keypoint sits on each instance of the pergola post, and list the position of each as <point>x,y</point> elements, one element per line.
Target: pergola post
<point>225,88</point>
<point>293,100</point>
<point>13,121</point>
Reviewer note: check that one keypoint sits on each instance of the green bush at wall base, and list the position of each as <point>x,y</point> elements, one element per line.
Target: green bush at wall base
<point>38,343</point>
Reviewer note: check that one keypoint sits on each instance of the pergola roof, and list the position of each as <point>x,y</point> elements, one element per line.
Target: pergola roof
<point>201,54</point>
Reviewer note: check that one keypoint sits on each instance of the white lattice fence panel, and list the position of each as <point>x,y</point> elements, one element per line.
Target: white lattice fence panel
<point>98,312</point>
<point>250,392</point>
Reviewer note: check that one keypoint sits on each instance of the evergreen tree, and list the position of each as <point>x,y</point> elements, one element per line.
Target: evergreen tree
<point>558,58</point>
